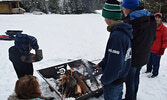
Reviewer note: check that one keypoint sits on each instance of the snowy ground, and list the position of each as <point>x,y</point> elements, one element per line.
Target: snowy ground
<point>65,37</point>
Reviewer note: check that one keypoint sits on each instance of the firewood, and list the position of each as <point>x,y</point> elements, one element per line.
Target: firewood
<point>78,89</point>
<point>69,83</point>
<point>81,83</point>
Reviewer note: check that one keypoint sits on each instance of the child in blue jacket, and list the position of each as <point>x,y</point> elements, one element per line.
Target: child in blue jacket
<point>117,59</point>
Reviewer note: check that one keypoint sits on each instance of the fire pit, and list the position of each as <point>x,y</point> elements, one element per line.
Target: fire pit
<point>76,79</point>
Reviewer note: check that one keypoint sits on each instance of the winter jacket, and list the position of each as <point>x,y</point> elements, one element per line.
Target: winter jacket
<point>20,67</point>
<point>160,43</point>
<point>117,59</point>
<point>25,43</point>
<point>144,29</point>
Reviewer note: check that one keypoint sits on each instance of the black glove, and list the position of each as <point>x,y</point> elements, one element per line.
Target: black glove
<point>38,55</point>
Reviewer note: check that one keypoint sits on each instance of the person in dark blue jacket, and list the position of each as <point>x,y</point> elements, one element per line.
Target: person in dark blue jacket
<point>117,59</point>
<point>22,46</point>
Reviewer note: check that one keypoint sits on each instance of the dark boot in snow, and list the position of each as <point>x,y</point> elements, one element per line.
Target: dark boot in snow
<point>149,69</point>
<point>153,76</point>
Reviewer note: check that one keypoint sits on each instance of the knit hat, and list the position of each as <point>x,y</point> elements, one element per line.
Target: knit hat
<point>111,11</point>
<point>158,15</point>
<point>130,4</point>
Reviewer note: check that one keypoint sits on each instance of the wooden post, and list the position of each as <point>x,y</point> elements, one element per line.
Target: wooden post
<point>10,7</point>
<point>18,4</point>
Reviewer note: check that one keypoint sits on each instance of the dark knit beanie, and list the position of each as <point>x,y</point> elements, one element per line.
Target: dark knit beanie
<point>112,10</point>
<point>158,15</point>
<point>130,4</point>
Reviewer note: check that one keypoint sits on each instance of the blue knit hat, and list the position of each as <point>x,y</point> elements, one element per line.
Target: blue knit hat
<point>130,4</point>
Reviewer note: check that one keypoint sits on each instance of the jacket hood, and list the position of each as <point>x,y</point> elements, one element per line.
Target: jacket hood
<point>123,27</point>
<point>139,13</point>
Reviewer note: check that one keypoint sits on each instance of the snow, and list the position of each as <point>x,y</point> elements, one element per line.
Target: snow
<point>120,0</point>
<point>165,24</point>
<point>63,37</point>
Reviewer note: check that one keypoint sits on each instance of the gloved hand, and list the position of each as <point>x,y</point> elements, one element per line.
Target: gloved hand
<point>161,52</point>
<point>29,58</point>
<point>39,55</point>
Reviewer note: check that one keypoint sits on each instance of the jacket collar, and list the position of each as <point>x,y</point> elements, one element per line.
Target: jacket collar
<point>120,26</point>
<point>160,27</point>
<point>109,28</point>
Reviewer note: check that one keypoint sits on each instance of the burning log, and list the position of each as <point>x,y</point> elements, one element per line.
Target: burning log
<point>72,84</point>
<point>68,84</point>
<point>81,83</point>
<point>78,90</point>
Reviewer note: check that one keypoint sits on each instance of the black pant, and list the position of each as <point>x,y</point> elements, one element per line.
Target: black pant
<point>20,67</point>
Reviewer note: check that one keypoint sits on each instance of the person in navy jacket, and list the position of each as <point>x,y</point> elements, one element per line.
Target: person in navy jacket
<point>117,59</point>
<point>22,46</point>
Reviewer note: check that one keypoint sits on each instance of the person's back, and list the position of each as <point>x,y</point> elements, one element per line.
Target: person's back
<point>144,28</point>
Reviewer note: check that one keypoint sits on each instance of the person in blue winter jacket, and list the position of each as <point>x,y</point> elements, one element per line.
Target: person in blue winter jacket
<point>117,59</point>
<point>22,47</point>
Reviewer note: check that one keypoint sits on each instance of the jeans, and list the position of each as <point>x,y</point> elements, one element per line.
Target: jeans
<point>132,83</point>
<point>20,67</point>
<point>113,92</point>
<point>154,63</point>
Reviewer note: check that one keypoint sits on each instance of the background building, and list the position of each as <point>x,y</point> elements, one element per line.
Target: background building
<point>11,7</point>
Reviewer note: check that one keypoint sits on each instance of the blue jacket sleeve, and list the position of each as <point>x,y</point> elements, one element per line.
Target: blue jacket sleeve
<point>33,42</point>
<point>103,62</point>
<point>114,59</point>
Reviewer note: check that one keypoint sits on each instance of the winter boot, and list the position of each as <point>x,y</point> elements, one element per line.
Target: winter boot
<point>149,69</point>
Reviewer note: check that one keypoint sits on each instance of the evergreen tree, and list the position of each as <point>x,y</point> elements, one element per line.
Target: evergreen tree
<point>62,6</point>
<point>156,5</point>
<point>34,5</point>
<point>53,6</point>
<point>88,6</point>
<point>79,7</point>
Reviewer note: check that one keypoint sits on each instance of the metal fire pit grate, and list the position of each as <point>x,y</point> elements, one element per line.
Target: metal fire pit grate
<point>53,76</point>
